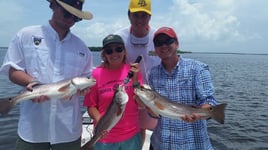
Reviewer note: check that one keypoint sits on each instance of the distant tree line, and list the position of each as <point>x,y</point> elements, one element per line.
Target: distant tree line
<point>97,49</point>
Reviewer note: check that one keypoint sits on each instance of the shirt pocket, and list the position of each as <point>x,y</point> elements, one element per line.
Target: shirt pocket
<point>186,89</point>
<point>74,63</point>
<point>37,60</point>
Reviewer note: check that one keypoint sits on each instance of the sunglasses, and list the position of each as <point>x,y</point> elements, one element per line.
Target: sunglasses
<point>68,15</point>
<point>158,43</point>
<point>109,51</point>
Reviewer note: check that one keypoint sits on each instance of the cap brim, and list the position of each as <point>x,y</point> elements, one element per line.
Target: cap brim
<point>133,10</point>
<point>78,13</point>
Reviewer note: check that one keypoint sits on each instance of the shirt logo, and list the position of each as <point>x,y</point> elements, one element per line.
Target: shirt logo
<point>82,54</point>
<point>152,53</point>
<point>142,3</point>
<point>37,40</point>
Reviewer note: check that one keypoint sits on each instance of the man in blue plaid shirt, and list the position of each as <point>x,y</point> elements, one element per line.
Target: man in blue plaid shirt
<point>184,81</point>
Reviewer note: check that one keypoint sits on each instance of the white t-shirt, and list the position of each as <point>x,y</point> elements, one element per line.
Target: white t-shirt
<point>38,51</point>
<point>145,49</point>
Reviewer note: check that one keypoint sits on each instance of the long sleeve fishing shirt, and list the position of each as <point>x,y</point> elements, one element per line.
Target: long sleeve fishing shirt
<point>38,51</point>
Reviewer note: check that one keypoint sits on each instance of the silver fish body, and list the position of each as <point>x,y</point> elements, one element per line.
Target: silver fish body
<point>111,117</point>
<point>59,90</point>
<point>167,108</point>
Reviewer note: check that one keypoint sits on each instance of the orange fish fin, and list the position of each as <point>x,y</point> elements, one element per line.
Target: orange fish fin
<point>159,106</point>
<point>120,111</point>
<point>64,88</point>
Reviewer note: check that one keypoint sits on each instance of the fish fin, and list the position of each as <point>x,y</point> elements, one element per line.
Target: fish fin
<point>90,144</point>
<point>159,106</point>
<point>146,86</point>
<point>64,88</point>
<point>120,111</point>
<point>153,114</point>
<point>218,113</point>
<point>5,105</point>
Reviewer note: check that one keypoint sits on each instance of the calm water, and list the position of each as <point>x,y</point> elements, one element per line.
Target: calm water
<point>239,80</point>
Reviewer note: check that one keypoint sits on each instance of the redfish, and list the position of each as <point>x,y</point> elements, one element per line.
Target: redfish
<point>167,108</point>
<point>59,90</point>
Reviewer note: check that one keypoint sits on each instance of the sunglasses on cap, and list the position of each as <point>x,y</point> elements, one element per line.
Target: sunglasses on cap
<point>110,51</point>
<point>168,41</point>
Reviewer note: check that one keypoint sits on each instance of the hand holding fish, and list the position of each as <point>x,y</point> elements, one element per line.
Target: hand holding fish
<point>83,92</point>
<point>143,106</point>
<point>39,99</point>
<point>194,117</point>
<point>191,118</point>
<point>30,85</point>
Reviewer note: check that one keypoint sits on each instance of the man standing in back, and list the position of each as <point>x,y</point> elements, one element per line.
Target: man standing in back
<point>138,39</point>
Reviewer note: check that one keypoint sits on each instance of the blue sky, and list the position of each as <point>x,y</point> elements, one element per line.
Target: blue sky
<point>237,26</point>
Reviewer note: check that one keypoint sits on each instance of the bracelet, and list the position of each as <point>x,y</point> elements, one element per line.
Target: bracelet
<point>136,85</point>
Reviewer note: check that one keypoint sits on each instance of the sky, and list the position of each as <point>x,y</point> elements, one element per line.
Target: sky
<point>223,26</point>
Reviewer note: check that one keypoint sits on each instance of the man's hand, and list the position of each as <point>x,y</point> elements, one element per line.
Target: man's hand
<point>83,92</point>
<point>39,99</point>
<point>191,118</point>
<point>194,117</point>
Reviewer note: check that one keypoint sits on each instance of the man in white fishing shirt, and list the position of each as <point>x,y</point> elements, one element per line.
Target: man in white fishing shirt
<point>46,54</point>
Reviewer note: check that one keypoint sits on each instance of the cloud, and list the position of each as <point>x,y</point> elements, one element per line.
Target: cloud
<point>202,25</point>
<point>96,31</point>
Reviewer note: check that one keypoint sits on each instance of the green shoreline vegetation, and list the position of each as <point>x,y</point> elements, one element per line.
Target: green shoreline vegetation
<point>98,49</point>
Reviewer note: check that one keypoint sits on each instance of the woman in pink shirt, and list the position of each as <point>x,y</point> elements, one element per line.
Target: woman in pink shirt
<point>111,73</point>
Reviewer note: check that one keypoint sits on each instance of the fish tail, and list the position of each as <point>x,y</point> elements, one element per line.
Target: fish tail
<point>218,113</point>
<point>5,105</point>
<point>90,144</point>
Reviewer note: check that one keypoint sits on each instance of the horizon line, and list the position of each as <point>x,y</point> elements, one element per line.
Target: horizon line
<point>189,52</point>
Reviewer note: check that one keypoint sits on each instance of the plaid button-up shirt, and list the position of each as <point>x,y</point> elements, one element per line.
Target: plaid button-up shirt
<point>188,83</point>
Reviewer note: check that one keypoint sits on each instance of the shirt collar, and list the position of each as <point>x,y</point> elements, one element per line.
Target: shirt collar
<point>139,41</point>
<point>174,69</point>
<point>55,35</point>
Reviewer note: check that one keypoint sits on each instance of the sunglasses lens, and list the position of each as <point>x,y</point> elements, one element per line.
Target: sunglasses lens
<point>119,49</point>
<point>170,41</point>
<point>108,51</point>
<point>76,19</point>
<point>69,15</point>
<point>167,42</point>
<point>157,44</point>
